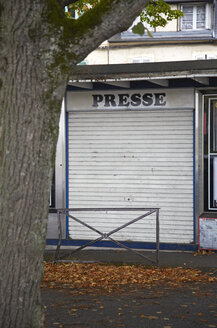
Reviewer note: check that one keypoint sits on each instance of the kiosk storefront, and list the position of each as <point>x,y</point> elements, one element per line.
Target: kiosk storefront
<point>132,146</point>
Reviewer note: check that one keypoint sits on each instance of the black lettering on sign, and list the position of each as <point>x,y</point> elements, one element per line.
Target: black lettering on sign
<point>126,100</point>
<point>136,99</point>
<point>147,99</point>
<point>109,101</point>
<point>159,99</point>
<point>123,99</point>
<point>97,99</point>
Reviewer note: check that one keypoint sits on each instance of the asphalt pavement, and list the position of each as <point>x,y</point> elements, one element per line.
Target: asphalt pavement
<point>191,305</point>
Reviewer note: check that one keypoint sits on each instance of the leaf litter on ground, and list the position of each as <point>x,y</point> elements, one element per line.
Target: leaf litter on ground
<point>111,277</point>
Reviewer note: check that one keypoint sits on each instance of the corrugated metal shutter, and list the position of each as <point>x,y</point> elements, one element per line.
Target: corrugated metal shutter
<point>132,159</point>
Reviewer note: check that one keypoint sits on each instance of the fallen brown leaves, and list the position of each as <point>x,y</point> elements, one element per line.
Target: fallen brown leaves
<point>204,252</point>
<point>111,277</point>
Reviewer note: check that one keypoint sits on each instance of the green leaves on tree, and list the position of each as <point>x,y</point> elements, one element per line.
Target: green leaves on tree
<point>140,29</point>
<point>157,13</point>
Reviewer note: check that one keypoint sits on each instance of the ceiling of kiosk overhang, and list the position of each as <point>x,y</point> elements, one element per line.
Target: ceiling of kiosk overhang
<point>197,74</point>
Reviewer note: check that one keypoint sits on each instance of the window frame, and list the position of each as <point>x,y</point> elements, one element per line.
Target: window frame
<point>207,22</point>
<point>210,154</point>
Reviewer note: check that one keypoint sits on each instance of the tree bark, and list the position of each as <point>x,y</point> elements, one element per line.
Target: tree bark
<point>30,99</point>
<point>34,69</point>
<point>29,130</point>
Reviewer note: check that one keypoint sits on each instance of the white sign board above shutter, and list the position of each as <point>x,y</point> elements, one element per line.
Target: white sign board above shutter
<point>131,99</point>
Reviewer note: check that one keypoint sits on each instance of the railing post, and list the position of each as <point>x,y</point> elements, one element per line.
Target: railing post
<point>157,237</point>
<point>56,255</point>
<point>107,235</point>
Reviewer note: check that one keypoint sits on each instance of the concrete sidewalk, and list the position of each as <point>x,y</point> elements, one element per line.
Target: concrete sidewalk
<point>202,260</point>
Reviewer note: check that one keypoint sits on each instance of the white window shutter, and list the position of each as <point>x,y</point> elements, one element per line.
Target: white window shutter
<point>208,16</point>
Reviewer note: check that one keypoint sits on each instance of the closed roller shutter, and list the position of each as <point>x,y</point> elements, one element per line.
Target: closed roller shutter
<point>132,159</point>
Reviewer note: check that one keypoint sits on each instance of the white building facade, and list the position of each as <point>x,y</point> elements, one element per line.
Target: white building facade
<point>139,142</point>
<point>192,37</point>
<point>139,131</point>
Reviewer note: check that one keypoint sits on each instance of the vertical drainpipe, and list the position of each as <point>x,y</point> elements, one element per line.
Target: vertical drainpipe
<point>196,188</point>
<point>214,32</point>
<point>194,176</point>
<point>67,166</point>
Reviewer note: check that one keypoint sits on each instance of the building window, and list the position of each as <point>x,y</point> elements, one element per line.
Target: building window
<point>205,57</point>
<point>141,60</point>
<point>196,17</point>
<point>210,154</point>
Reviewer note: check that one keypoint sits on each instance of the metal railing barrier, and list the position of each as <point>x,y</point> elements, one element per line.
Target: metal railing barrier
<point>107,236</point>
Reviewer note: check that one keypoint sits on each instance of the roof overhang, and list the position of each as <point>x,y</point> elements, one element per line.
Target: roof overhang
<point>197,73</point>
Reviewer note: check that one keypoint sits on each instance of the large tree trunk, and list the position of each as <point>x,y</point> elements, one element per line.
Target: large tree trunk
<point>38,49</point>
<point>29,114</point>
<point>25,175</point>
<point>29,129</point>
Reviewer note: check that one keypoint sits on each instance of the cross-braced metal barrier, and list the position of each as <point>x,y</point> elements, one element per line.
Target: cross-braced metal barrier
<point>67,212</point>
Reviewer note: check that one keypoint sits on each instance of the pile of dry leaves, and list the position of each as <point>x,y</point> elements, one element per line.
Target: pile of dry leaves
<point>111,277</point>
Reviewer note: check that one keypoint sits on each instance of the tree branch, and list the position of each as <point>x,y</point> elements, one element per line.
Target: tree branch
<point>100,23</point>
<point>75,39</point>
